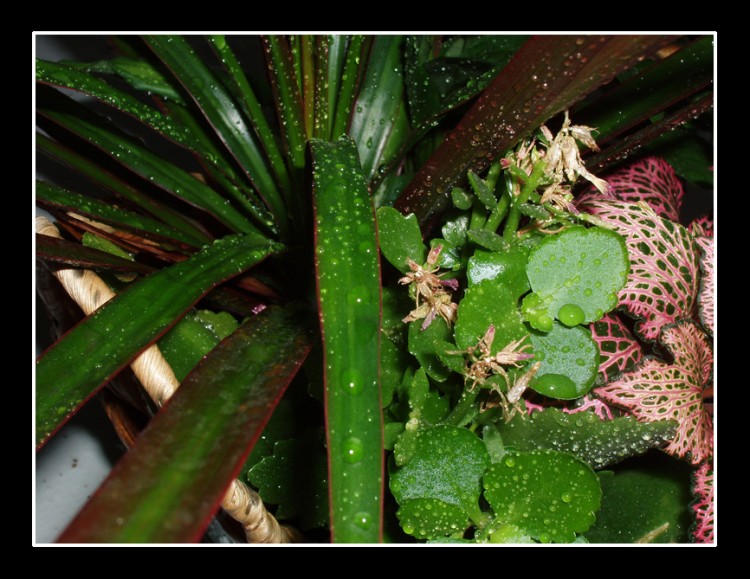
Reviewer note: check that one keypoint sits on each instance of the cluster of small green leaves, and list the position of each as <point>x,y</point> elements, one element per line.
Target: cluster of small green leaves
<point>469,463</point>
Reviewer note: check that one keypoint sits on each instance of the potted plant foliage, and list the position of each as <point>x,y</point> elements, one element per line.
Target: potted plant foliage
<point>402,288</point>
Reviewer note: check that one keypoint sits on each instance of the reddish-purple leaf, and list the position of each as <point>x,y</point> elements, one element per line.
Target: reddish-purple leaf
<point>619,351</point>
<point>663,281</point>
<point>651,180</point>
<point>660,391</point>
<point>706,294</point>
<point>594,405</point>
<point>703,506</point>
<point>702,226</point>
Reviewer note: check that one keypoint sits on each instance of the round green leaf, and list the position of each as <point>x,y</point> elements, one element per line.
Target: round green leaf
<point>447,464</point>
<point>432,518</point>
<point>508,267</point>
<point>488,303</point>
<point>578,271</point>
<point>400,238</point>
<point>550,495</point>
<point>570,361</point>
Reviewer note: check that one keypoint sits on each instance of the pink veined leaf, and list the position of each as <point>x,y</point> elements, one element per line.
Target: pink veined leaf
<point>660,391</point>
<point>702,226</point>
<point>592,404</point>
<point>663,280</point>
<point>651,180</point>
<point>706,294</point>
<point>619,351</point>
<point>703,506</point>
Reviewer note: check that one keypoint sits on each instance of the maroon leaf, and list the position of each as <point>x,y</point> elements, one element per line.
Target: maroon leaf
<point>703,506</point>
<point>651,180</point>
<point>660,391</point>
<point>707,290</point>
<point>619,351</point>
<point>663,281</point>
<point>546,76</point>
<point>594,405</point>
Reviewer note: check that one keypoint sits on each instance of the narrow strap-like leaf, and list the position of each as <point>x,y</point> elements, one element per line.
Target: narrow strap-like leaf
<point>107,180</point>
<point>222,112</point>
<point>169,485</point>
<point>347,86</point>
<point>349,295</point>
<point>97,348</point>
<point>547,75</point>
<point>74,254</point>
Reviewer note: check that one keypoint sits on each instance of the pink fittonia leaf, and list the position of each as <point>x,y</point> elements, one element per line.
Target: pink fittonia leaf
<point>706,294</point>
<point>618,349</point>
<point>703,506</point>
<point>651,180</point>
<point>589,403</point>
<point>663,280</point>
<point>702,226</point>
<point>660,391</point>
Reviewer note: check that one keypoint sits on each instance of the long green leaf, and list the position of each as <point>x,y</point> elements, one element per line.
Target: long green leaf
<point>546,76</point>
<point>349,295</point>
<point>74,254</point>
<point>348,86</point>
<point>107,180</point>
<point>169,485</point>
<point>150,166</point>
<point>222,112</point>
<point>379,123</point>
<point>655,89</point>
<point>252,109</point>
<point>95,350</point>
<point>51,196</point>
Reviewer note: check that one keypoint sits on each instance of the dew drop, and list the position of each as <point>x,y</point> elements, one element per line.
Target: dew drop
<point>353,450</point>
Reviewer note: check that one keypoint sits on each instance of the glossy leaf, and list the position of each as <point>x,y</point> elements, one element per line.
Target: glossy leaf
<point>379,121</point>
<point>600,443</point>
<point>68,253</point>
<point>349,83</point>
<point>108,181</point>
<point>400,238</point>
<point>50,196</point>
<point>643,502</point>
<point>663,281</point>
<point>346,256</point>
<point>427,344</point>
<point>484,304</point>
<point>222,112</point>
<point>550,495</point>
<point>619,351</point>
<point>529,90</point>
<point>651,180</point>
<point>689,152</point>
<point>172,481</point>
<point>112,336</point>
<point>657,390</point>
<point>507,268</point>
<point>708,284</point>
<point>570,360</point>
<point>703,505</point>
<point>152,167</point>
<point>652,90</point>
<point>575,275</point>
<point>428,518</point>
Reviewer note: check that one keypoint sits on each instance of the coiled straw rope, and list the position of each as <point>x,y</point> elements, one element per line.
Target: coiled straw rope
<point>155,374</point>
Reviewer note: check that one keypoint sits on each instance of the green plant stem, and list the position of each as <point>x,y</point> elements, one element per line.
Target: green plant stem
<point>498,214</point>
<point>514,217</point>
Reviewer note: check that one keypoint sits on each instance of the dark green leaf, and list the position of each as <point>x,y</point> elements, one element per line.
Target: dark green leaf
<point>295,478</point>
<point>599,442</point>
<point>348,271</point>
<point>644,502</point>
<point>488,240</point>
<point>529,90</point>
<point>400,239</point>
<point>347,88</point>
<point>69,253</point>
<point>222,112</point>
<point>171,482</point>
<point>379,123</point>
<point>427,344</point>
<point>108,339</point>
<point>507,268</point>
<point>689,154</point>
<point>550,495</point>
<point>428,518</point>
